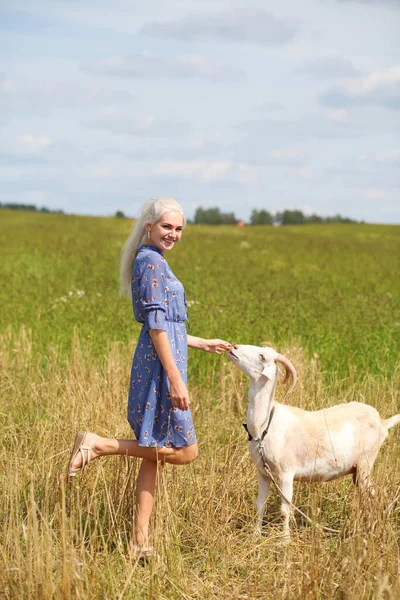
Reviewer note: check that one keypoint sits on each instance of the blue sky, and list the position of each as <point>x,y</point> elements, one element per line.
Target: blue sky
<point>224,103</point>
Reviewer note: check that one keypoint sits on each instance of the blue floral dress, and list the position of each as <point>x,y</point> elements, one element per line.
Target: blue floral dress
<point>159,302</point>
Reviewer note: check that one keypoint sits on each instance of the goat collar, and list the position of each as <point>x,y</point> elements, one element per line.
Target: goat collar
<point>264,433</point>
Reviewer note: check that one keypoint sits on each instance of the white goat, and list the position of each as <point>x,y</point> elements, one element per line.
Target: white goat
<point>300,445</point>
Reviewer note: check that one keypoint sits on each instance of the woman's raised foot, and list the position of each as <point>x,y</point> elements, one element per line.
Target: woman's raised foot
<point>83,452</point>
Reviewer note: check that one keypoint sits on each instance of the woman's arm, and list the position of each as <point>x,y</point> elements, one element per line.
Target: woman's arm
<point>178,391</point>
<point>215,346</point>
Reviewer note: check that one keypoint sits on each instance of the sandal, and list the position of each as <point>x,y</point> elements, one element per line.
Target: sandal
<point>85,454</point>
<point>141,553</point>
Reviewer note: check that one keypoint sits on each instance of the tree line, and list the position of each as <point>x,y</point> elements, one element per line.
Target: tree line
<point>214,216</point>
<point>29,207</point>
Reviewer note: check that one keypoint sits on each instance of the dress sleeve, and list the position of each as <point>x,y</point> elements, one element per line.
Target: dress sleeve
<point>152,292</point>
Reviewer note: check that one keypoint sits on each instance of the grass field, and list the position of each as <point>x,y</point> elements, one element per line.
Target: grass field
<point>327,296</point>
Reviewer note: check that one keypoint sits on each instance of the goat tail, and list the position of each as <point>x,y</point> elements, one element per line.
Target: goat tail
<point>389,423</point>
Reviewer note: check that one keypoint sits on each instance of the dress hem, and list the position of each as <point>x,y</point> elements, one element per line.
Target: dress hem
<point>165,446</point>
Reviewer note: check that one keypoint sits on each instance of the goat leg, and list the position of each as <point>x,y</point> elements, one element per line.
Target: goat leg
<point>286,485</point>
<point>264,484</point>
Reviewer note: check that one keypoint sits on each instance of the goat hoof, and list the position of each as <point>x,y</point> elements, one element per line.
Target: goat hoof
<point>285,538</point>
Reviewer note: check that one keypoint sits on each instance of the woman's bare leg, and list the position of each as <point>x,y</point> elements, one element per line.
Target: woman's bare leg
<point>111,447</point>
<point>145,492</point>
<point>147,478</point>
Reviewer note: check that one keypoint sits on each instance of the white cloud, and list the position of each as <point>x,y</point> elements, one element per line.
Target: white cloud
<point>328,67</point>
<point>270,106</point>
<point>288,154</point>
<point>248,174</point>
<point>338,114</point>
<point>249,24</point>
<point>48,96</point>
<point>305,128</point>
<point>7,86</point>
<point>124,123</point>
<point>381,87</point>
<point>209,171</point>
<point>98,173</point>
<point>197,169</point>
<point>304,173</point>
<point>369,193</point>
<point>389,156</point>
<point>197,142</point>
<point>32,173</point>
<point>146,65</point>
<point>380,3</point>
<point>32,143</point>
<point>367,84</point>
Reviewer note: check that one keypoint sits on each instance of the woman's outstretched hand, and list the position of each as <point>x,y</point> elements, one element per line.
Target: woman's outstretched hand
<point>216,346</point>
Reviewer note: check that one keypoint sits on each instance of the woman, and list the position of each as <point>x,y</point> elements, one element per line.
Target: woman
<point>159,404</point>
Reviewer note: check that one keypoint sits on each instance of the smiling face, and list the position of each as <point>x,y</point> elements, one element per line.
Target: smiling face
<point>167,232</point>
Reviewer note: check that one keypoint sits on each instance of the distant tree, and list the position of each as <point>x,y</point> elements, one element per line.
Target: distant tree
<point>20,206</point>
<point>314,219</point>
<point>339,219</point>
<point>29,207</point>
<point>229,219</point>
<point>199,215</point>
<point>213,216</point>
<point>119,214</point>
<point>261,217</point>
<point>292,217</point>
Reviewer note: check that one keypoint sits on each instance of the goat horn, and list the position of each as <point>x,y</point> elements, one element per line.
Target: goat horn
<point>290,370</point>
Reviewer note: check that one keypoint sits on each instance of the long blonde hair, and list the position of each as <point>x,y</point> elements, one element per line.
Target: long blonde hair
<point>151,212</point>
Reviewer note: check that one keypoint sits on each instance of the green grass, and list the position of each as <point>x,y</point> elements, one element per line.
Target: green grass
<point>334,289</point>
<point>325,295</point>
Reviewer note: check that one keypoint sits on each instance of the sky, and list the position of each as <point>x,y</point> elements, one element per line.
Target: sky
<point>231,103</point>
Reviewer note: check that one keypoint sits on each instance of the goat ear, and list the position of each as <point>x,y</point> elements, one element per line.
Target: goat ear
<point>280,371</point>
<point>269,370</point>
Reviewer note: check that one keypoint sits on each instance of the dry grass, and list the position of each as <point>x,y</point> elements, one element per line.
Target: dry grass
<point>59,542</point>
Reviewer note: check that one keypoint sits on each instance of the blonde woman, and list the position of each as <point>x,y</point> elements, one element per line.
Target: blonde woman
<point>158,403</point>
